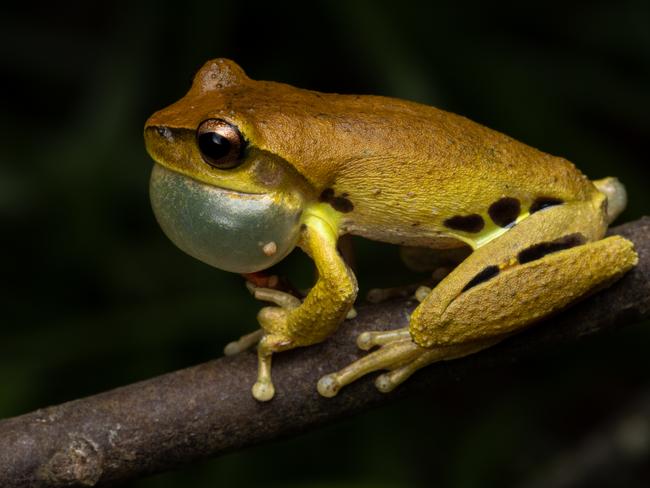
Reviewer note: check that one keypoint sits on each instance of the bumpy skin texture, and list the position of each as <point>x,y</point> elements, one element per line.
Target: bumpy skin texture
<point>409,174</point>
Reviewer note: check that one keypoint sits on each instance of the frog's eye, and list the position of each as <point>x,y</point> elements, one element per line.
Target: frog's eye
<point>221,144</point>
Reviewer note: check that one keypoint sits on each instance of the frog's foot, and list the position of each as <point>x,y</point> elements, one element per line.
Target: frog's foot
<point>401,356</point>
<point>390,356</point>
<point>282,299</point>
<point>388,381</point>
<point>267,341</point>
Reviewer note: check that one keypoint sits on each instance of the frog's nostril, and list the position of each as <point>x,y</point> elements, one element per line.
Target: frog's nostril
<point>164,132</point>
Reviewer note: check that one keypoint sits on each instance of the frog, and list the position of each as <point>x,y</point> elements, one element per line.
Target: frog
<point>245,171</point>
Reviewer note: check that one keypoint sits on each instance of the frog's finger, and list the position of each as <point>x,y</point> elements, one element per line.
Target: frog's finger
<point>263,389</point>
<point>280,298</point>
<point>243,343</point>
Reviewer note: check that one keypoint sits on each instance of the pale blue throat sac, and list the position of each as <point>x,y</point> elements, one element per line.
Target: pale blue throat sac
<point>230,230</point>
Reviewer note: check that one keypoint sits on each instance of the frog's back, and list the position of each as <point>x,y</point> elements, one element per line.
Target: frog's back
<point>412,174</point>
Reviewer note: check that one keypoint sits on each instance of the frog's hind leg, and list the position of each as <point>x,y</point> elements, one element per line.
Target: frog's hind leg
<point>543,264</point>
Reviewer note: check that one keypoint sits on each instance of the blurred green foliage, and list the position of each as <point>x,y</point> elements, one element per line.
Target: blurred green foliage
<point>94,296</point>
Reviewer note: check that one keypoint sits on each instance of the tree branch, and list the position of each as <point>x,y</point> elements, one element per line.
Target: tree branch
<point>607,453</point>
<point>206,410</point>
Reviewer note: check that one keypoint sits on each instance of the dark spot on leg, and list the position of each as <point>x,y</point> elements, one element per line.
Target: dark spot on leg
<point>486,274</point>
<point>467,223</point>
<point>326,195</point>
<point>540,250</point>
<point>543,202</point>
<point>341,204</point>
<point>504,211</point>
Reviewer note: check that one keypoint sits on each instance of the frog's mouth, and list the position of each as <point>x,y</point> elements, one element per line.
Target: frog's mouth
<point>230,230</point>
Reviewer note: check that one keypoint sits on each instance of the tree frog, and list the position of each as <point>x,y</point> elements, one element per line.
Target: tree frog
<point>247,170</point>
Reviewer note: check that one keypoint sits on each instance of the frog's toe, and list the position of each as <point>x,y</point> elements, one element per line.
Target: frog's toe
<point>387,382</point>
<point>421,293</point>
<point>328,386</point>
<point>369,339</point>
<point>384,383</point>
<point>365,341</point>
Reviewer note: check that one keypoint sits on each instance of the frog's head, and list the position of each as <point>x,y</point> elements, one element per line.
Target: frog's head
<point>216,194</point>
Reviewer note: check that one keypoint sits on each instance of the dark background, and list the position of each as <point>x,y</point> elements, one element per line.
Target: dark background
<point>94,296</point>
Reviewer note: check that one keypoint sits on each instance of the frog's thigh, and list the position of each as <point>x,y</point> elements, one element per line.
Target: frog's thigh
<point>516,297</point>
<point>505,286</point>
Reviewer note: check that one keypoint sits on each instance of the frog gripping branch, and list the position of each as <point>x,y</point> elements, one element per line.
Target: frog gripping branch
<point>247,170</point>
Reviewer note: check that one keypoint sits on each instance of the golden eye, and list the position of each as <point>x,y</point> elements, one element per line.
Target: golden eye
<point>221,144</point>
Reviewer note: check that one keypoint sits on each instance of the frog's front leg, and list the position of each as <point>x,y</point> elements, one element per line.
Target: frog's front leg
<point>293,324</point>
<point>542,265</point>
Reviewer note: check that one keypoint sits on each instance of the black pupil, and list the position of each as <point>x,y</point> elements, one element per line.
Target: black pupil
<point>213,145</point>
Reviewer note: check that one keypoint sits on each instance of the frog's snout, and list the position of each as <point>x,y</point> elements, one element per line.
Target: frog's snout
<point>158,139</point>
<point>230,230</point>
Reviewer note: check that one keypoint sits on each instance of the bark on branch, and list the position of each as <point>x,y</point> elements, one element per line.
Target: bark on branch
<point>207,410</point>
